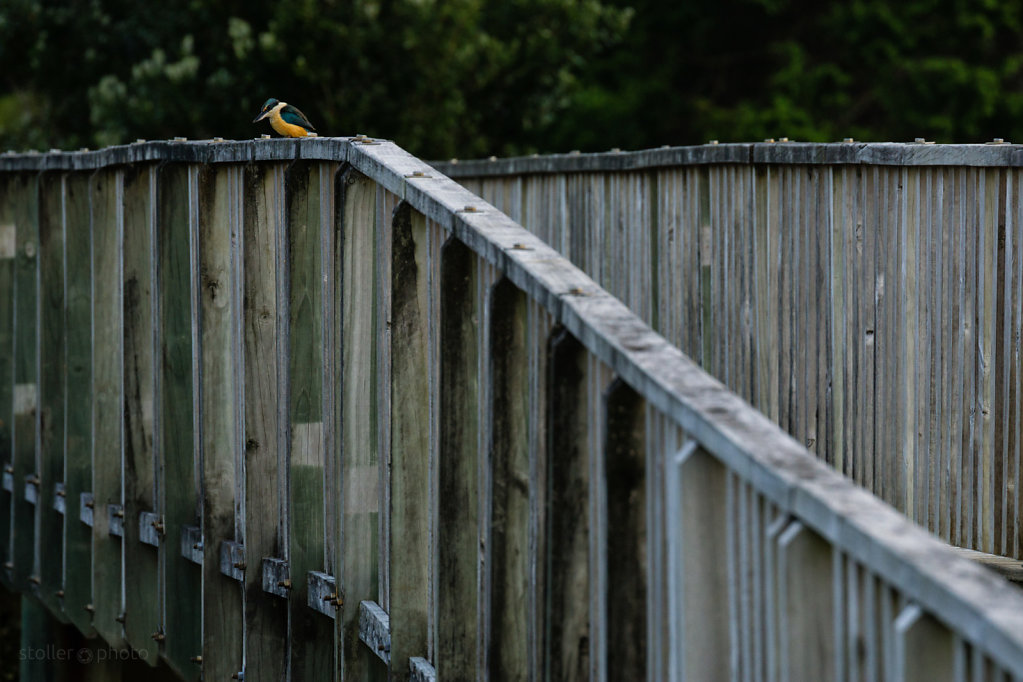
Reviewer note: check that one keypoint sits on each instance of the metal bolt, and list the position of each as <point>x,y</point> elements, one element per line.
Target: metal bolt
<point>286,584</point>
<point>616,150</point>
<point>240,565</point>
<point>264,136</point>
<point>492,159</point>
<point>54,151</point>
<point>197,545</point>
<point>783,139</point>
<point>158,525</point>
<point>218,139</point>
<point>998,140</point>
<point>238,676</point>
<point>90,608</point>
<point>30,249</point>
<point>919,140</point>
<point>848,140</point>
<point>713,142</point>
<point>9,469</point>
<point>469,209</point>
<point>60,594</point>
<point>139,141</point>
<point>61,493</point>
<point>9,565</point>
<point>34,480</point>
<point>35,580</point>
<point>83,149</point>
<point>452,160</point>
<point>159,636</point>
<point>119,513</point>
<point>574,152</point>
<point>196,659</point>
<point>768,139</point>
<point>520,247</point>
<point>576,291</point>
<point>180,139</point>
<point>90,504</point>
<point>120,618</point>
<point>330,597</point>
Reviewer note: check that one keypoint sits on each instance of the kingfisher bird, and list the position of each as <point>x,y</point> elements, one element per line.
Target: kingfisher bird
<point>285,119</point>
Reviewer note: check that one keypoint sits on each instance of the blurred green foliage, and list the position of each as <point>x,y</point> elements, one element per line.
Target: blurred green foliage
<point>479,77</point>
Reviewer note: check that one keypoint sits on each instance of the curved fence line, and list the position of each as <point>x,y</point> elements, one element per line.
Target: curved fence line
<point>286,294</point>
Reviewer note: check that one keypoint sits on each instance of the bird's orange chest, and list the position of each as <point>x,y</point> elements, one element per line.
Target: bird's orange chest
<point>285,128</point>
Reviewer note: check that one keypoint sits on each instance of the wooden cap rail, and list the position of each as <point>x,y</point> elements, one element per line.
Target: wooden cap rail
<point>322,362</point>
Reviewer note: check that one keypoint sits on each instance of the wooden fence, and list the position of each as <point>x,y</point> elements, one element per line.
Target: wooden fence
<point>310,410</point>
<point>864,296</point>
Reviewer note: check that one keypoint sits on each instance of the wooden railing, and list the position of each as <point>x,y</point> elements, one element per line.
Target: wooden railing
<point>310,408</point>
<point>864,296</point>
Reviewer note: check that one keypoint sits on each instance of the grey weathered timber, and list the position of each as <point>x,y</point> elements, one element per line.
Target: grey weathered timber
<point>51,382</point>
<point>312,649</point>
<point>178,290</point>
<point>25,208</point>
<point>508,537</point>
<point>777,266</point>
<point>458,523</point>
<point>698,585</point>
<point>220,226</point>
<point>566,616</point>
<point>8,253</point>
<point>360,499</point>
<point>410,438</point>
<point>265,338</point>
<point>791,524</point>
<point>78,406</point>
<point>142,591</point>
<point>624,474</point>
<point>108,400</point>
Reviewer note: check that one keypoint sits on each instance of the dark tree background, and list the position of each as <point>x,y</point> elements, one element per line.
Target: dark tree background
<point>479,77</point>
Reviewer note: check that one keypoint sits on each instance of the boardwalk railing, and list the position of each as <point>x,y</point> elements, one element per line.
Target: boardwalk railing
<point>863,296</point>
<point>313,409</point>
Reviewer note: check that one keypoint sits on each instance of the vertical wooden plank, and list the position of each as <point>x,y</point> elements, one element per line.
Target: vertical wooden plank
<point>142,593</point>
<point>806,600</point>
<point>509,454</point>
<point>458,523</point>
<point>567,640</point>
<point>410,434</point>
<point>701,642</point>
<point>178,293</point>
<point>267,645</point>
<point>987,232</point>
<point>924,648</point>
<point>50,457</point>
<point>312,650</point>
<point>8,254</point>
<point>108,401</point>
<point>624,461</point>
<point>359,448</point>
<point>219,310</point>
<point>26,216</point>
<point>78,409</point>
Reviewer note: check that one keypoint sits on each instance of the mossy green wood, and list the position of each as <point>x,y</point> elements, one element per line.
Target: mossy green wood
<point>509,475</point>
<point>266,616</point>
<point>50,559</point>
<point>8,251</point>
<point>410,441</point>
<point>108,401</point>
<point>359,558</point>
<point>26,263</point>
<point>220,189</point>
<point>312,636</point>
<point>142,593</point>
<point>41,637</point>
<point>624,462</point>
<point>458,494</point>
<point>177,289</point>
<point>78,410</point>
<point>567,622</point>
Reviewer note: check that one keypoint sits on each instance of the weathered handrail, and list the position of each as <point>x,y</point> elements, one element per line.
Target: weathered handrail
<point>543,444</point>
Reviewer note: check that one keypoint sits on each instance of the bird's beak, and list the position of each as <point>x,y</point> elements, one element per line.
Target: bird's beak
<point>260,117</point>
